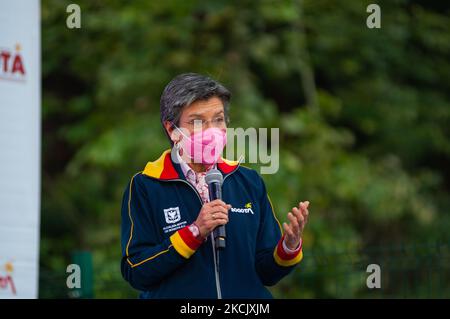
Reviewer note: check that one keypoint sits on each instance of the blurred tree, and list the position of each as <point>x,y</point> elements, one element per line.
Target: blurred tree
<point>363,117</point>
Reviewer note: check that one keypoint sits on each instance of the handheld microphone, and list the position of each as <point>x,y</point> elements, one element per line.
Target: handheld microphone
<point>214,180</point>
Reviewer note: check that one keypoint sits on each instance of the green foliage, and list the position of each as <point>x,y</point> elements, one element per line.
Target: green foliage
<point>363,117</point>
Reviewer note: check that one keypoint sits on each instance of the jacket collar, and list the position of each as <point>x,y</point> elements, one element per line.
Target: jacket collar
<point>165,169</point>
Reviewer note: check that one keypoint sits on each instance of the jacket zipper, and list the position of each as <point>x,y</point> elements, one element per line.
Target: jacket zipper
<point>216,270</point>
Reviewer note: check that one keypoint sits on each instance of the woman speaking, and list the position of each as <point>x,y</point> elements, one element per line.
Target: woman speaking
<point>168,219</point>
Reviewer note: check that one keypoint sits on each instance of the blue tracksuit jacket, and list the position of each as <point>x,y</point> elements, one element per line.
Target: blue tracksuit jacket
<point>161,257</point>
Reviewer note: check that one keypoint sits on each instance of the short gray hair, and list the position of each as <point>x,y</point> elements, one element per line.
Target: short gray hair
<point>184,90</point>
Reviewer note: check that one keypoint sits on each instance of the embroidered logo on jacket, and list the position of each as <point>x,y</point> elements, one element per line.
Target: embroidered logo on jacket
<point>172,215</point>
<point>246,210</point>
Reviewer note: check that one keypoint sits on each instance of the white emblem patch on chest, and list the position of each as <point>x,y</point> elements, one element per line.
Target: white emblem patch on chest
<point>172,215</point>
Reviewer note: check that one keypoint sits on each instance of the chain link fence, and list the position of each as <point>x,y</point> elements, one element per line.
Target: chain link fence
<point>406,271</point>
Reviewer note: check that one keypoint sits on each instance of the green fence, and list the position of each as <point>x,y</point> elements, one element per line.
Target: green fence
<point>406,271</point>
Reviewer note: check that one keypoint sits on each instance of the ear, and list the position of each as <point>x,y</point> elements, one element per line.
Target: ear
<point>170,129</point>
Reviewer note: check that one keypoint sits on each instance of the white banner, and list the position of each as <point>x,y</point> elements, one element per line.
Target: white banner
<point>20,137</point>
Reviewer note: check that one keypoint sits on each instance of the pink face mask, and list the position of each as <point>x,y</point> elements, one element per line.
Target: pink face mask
<point>204,146</point>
